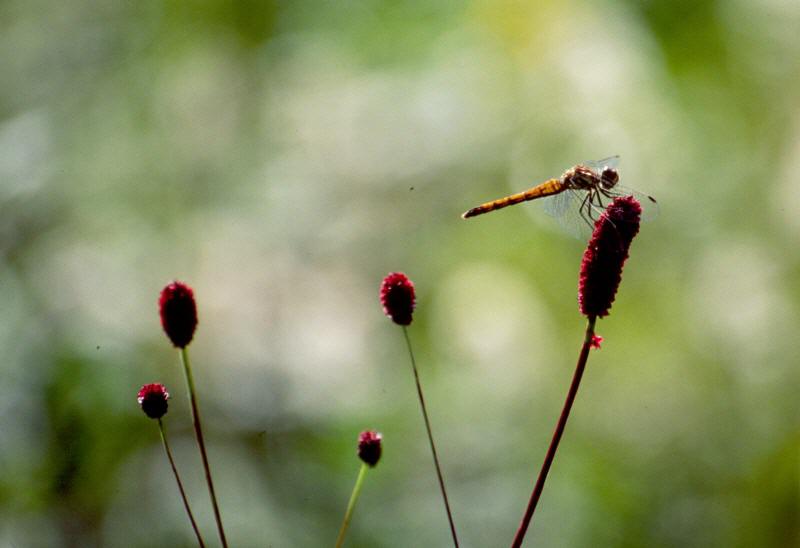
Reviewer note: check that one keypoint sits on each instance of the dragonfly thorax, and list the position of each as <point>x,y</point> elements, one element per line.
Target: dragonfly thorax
<point>581,178</point>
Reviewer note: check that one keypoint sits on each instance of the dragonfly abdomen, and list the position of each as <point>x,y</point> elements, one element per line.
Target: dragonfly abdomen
<point>548,188</point>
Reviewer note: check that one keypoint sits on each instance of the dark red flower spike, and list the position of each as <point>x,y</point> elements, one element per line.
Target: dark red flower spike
<point>601,272</point>
<point>601,268</point>
<point>178,313</point>
<point>397,298</point>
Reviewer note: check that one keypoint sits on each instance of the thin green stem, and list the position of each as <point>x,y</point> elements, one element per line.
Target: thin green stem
<point>198,431</point>
<point>163,433</point>
<point>362,473</point>
<point>430,438</point>
<point>559,431</point>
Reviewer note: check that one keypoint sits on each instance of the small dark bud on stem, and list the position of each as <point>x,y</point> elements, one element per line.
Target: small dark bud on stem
<point>369,447</point>
<point>153,400</point>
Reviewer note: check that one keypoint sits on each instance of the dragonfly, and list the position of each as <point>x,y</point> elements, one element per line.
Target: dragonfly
<point>577,198</point>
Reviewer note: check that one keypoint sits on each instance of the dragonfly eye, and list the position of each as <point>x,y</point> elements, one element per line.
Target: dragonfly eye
<point>609,177</point>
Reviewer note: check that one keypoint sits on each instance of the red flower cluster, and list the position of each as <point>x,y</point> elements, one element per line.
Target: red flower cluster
<point>369,447</point>
<point>153,400</point>
<point>178,313</point>
<point>601,268</point>
<point>397,298</point>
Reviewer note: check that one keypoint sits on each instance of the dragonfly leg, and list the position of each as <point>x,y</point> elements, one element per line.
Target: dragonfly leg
<point>585,209</point>
<point>598,197</point>
<point>589,206</point>
<point>607,193</point>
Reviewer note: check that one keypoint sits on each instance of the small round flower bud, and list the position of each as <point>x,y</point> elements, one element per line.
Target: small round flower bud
<point>369,447</point>
<point>178,313</point>
<point>601,268</point>
<point>153,400</point>
<point>397,298</point>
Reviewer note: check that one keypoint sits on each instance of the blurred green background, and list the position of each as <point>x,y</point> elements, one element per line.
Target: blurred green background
<point>282,157</point>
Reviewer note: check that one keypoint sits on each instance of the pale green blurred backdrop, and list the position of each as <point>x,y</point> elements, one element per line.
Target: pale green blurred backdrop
<point>282,157</point>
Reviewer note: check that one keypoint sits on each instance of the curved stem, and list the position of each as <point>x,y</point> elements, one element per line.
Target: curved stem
<point>352,504</point>
<point>430,439</point>
<point>559,431</point>
<point>198,431</point>
<point>180,484</point>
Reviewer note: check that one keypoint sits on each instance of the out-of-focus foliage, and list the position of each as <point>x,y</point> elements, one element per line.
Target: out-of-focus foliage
<point>283,157</point>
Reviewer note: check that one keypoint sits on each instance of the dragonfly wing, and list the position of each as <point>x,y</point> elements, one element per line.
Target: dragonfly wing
<point>598,165</point>
<point>565,209</point>
<point>559,204</point>
<point>650,208</point>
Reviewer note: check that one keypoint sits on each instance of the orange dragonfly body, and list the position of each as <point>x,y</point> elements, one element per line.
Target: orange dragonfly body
<point>586,187</point>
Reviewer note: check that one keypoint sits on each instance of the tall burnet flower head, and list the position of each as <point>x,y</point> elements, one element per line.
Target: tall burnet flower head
<point>153,400</point>
<point>178,313</point>
<point>397,298</point>
<point>601,268</point>
<point>369,447</point>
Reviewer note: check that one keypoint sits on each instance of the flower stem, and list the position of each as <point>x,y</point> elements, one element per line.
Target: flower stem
<point>352,504</point>
<point>180,485</point>
<point>562,422</point>
<point>430,439</point>
<point>198,431</point>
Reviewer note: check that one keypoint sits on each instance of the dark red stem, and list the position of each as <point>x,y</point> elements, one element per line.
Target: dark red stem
<point>180,484</point>
<point>430,439</point>
<point>198,431</point>
<point>559,431</point>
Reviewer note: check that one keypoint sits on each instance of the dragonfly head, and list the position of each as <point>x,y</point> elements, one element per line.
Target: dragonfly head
<point>609,177</point>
